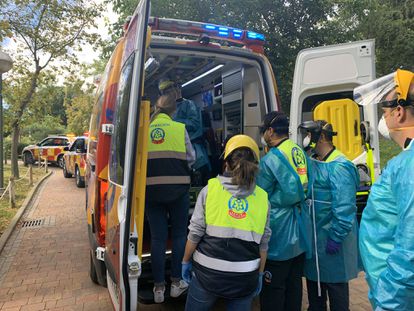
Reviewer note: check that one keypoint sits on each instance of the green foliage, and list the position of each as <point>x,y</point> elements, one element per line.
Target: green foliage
<point>44,31</point>
<point>388,150</point>
<point>292,25</point>
<point>49,125</point>
<point>78,111</point>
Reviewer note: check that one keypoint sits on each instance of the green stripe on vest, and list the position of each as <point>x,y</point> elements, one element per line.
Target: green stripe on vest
<point>225,210</point>
<point>296,158</point>
<point>166,135</point>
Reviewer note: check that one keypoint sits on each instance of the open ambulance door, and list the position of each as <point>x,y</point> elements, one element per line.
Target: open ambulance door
<point>127,169</point>
<point>323,85</point>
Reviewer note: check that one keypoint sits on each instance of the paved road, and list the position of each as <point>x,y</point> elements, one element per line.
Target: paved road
<point>46,267</point>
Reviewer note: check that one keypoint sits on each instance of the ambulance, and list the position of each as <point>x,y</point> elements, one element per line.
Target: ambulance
<point>223,70</point>
<point>51,148</point>
<point>74,160</point>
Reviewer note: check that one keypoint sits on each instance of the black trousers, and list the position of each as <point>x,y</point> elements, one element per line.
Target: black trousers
<point>284,291</point>
<point>338,294</point>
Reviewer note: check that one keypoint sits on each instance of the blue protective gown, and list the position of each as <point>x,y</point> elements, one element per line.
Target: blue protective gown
<point>190,114</point>
<point>387,235</point>
<point>335,184</point>
<point>289,217</point>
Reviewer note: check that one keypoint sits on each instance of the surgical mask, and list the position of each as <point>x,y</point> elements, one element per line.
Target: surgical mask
<point>383,128</point>
<point>306,141</point>
<point>263,141</point>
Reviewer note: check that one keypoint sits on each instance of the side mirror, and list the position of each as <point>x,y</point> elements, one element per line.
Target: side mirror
<point>108,129</point>
<point>65,148</point>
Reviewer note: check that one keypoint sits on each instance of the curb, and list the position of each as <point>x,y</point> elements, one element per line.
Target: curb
<point>27,202</point>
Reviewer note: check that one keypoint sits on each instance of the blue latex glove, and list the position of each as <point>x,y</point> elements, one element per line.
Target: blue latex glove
<point>332,247</point>
<point>186,268</point>
<point>259,285</point>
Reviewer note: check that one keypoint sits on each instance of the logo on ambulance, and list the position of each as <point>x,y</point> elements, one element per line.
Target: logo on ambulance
<point>299,160</point>
<point>238,208</point>
<point>157,136</point>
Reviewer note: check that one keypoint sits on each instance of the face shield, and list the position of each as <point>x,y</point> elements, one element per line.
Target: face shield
<point>389,91</point>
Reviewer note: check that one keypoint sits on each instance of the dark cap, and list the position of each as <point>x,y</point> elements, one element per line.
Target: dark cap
<point>276,120</point>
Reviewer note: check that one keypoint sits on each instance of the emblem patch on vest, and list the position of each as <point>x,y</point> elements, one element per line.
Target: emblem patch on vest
<point>299,160</point>
<point>157,136</point>
<point>238,208</point>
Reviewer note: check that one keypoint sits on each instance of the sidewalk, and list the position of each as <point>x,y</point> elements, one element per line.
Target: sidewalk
<point>46,267</point>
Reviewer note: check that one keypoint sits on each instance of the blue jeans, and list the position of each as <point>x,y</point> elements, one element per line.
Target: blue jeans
<point>158,215</point>
<point>201,300</point>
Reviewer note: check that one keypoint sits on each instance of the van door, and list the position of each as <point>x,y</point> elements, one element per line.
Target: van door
<point>323,83</point>
<point>127,165</point>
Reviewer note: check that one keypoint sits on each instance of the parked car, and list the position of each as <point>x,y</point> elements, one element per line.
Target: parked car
<point>50,147</point>
<point>74,161</point>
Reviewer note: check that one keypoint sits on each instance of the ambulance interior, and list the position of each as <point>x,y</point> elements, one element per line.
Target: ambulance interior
<point>230,93</point>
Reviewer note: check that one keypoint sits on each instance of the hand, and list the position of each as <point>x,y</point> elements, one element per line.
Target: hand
<point>332,247</point>
<point>186,268</point>
<point>259,285</point>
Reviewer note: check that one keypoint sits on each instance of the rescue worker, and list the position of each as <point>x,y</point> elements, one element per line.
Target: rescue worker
<point>284,176</point>
<point>229,233</point>
<point>387,226</point>
<point>170,154</point>
<point>333,190</point>
<point>190,114</point>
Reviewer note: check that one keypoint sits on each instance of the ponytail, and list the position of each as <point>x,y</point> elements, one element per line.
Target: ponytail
<point>243,167</point>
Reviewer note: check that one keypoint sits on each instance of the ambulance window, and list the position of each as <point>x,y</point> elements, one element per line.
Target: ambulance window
<point>117,160</point>
<point>96,118</point>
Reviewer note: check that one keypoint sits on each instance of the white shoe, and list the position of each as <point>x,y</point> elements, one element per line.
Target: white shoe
<point>177,290</point>
<point>158,295</point>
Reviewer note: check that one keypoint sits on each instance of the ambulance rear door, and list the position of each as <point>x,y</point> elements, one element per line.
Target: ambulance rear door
<point>127,166</point>
<point>323,83</point>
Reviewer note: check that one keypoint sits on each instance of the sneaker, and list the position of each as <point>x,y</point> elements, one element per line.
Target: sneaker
<point>158,295</point>
<point>178,288</point>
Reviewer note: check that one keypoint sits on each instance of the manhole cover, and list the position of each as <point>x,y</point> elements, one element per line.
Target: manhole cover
<point>32,223</point>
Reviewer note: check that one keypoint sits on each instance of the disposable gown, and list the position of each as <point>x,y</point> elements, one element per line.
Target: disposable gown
<point>190,114</point>
<point>387,235</point>
<point>334,191</point>
<point>289,217</point>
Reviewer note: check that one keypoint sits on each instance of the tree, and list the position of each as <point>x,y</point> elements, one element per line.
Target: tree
<point>389,22</point>
<point>46,31</point>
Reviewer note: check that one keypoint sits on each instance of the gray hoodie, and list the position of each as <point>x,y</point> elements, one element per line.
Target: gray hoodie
<point>198,220</point>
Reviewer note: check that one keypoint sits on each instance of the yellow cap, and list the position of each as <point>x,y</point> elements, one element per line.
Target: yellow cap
<point>165,84</point>
<point>240,141</point>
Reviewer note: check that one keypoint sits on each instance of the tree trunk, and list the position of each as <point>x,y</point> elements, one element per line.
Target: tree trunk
<point>18,116</point>
<point>14,155</point>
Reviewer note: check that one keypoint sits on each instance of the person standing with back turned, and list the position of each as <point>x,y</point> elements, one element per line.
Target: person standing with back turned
<point>229,234</point>
<point>387,225</point>
<point>170,154</point>
<point>284,176</point>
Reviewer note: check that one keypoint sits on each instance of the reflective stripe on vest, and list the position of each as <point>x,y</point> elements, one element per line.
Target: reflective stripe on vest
<point>224,265</point>
<point>236,216</point>
<point>167,159</point>
<point>297,159</point>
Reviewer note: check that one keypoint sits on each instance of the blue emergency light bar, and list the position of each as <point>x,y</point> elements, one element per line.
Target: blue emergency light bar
<point>250,39</point>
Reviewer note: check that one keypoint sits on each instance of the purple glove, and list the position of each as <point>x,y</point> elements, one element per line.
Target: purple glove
<point>332,247</point>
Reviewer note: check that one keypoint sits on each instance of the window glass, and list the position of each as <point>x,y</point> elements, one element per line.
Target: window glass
<point>96,118</point>
<point>47,142</point>
<point>117,160</point>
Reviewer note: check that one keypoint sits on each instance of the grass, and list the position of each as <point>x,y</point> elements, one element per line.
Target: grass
<point>22,189</point>
<point>388,150</point>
